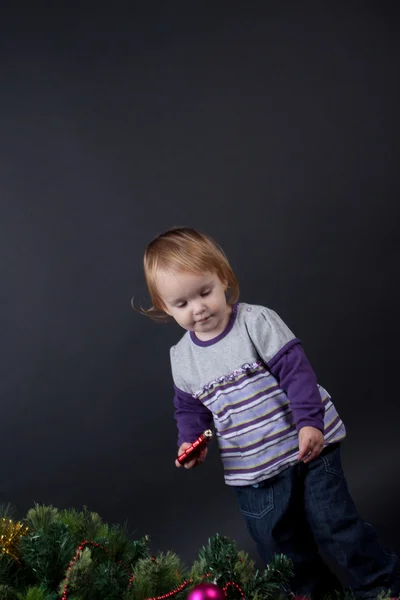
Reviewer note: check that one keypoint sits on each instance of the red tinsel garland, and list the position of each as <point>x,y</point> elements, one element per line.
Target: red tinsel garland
<point>233,584</point>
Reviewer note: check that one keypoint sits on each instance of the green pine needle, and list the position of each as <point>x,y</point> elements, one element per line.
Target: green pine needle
<point>137,550</point>
<point>7,511</point>
<point>156,577</point>
<point>110,581</point>
<point>50,545</point>
<point>47,551</point>
<point>80,578</point>
<point>37,593</point>
<point>118,542</point>
<point>6,568</point>
<point>274,581</point>
<point>84,525</point>
<point>41,517</point>
<point>8,593</point>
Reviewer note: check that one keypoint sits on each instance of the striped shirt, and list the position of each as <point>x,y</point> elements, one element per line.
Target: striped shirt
<point>254,383</point>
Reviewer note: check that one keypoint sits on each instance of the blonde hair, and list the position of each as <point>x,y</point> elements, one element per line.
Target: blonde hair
<point>184,249</point>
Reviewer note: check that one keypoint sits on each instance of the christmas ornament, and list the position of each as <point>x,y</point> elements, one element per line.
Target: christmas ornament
<point>196,447</point>
<point>10,535</point>
<point>206,591</point>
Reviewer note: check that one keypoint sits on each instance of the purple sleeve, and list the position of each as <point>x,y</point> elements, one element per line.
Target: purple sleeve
<point>192,417</point>
<point>297,379</point>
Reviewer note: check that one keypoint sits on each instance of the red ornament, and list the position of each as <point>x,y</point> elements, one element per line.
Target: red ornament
<point>196,447</point>
<point>206,591</point>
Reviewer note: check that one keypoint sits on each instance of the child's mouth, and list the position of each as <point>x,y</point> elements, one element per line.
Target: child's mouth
<point>203,320</point>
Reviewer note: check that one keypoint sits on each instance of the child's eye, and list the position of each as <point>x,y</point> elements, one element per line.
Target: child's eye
<point>205,293</point>
<point>182,305</point>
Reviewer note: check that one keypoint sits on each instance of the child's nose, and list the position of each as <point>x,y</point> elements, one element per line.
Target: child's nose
<point>198,308</point>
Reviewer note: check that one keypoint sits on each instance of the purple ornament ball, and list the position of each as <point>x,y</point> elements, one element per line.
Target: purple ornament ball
<point>206,591</point>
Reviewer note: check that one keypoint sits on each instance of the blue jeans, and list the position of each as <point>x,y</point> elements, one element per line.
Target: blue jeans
<point>307,509</point>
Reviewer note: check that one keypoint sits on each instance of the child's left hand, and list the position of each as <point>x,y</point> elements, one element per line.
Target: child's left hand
<point>311,443</point>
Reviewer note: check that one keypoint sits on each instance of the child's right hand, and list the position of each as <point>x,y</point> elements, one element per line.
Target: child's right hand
<point>197,460</point>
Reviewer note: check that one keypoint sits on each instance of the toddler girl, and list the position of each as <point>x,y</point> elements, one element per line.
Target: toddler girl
<point>241,370</point>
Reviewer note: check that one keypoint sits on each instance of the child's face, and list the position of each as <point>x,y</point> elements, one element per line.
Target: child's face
<point>197,302</point>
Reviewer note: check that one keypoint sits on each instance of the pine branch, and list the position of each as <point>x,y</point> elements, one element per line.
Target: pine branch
<point>7,511</point>
<point>110,581</point>
<point>84,525</point>
<point>6,568</point>
<point>154,577</point>
<point>274,582</point>
<point>47,551</point>
<point>81,577</point>
<point>8,593</point>
<point>41,518</point>
<point>37,593</point>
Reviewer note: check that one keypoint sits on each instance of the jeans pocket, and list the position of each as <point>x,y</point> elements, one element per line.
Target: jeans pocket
<point>255,503</point>
<point>332,462</point>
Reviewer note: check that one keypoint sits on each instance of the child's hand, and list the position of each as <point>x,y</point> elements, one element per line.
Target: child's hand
<point>311,443</point>
<point>197,460</point>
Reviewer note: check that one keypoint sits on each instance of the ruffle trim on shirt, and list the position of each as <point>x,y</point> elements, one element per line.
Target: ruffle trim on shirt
<point>246,368</point>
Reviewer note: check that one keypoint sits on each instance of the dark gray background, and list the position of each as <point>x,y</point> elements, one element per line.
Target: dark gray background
<point>273,126</point>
